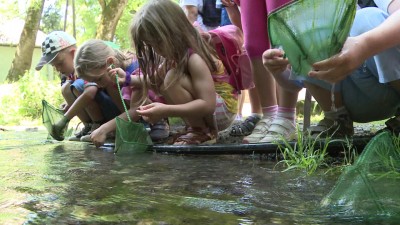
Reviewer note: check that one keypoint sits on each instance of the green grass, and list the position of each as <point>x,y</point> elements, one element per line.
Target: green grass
<point>310,153</point>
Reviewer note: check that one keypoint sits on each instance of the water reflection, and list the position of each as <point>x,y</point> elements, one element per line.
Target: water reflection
<point>74,183</point>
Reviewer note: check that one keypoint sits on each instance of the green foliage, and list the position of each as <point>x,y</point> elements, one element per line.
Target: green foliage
<point>22,100</point>
<point>306,153</point>
<point>122,36</point>
<point>88,14</point>
<point>8,11</point>
<point>51,19</point>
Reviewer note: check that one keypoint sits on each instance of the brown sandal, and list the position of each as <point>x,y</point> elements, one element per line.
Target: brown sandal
<point>195,136</point>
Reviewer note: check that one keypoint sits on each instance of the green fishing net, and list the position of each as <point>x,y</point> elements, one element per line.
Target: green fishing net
<point>371,185</point>
<point>50,116</point>
<point>311,30</point>
<point>130,136</point>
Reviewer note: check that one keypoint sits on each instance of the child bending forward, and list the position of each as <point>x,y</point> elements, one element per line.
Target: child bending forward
<point>180,65</point>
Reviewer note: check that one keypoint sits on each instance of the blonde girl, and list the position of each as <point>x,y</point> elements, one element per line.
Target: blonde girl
<point>178,63</point>
<point>93,62</point>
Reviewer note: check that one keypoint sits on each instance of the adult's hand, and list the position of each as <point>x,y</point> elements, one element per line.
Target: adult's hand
<point>339,66</point>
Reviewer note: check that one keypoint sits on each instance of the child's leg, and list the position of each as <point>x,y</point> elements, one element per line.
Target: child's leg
<point>284,124</point>
<point>198,126</point>
<point>85,101</point>
<point>70,98</point>
<point>115,97</point>
<point>336,120</point>
<point>181,92</point>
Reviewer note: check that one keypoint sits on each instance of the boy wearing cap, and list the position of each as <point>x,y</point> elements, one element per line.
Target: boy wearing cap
<point>83,99</point>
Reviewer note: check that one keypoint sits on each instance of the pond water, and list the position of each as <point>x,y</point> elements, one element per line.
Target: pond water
<point>46,182</point>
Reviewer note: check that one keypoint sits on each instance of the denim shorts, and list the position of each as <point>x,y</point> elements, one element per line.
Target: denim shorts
<point>365,98</point>
<point>78,84</point>
<point>108,108</point>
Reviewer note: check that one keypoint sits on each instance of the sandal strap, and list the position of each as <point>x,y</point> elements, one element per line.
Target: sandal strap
<point>195,136</point>
<point>246,127</point>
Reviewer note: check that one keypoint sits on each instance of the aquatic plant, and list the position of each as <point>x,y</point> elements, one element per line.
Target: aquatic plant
<point>307,153</point>
<point>310,153</point>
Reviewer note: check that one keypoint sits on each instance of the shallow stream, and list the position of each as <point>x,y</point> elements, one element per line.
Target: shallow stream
<point>49,182</point>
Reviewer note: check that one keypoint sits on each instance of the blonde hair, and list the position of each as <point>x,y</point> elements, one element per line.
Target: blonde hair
<point>93,54</point>
<point>161,27</point>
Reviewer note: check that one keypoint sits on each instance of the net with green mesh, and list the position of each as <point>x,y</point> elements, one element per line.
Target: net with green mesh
<point>50,116</point>
<point>371,185</point>
<point>311,30</point>
<point>130,136</point>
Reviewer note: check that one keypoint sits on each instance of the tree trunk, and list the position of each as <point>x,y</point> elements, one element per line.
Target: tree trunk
<point>23,56</point>
<point>111,13</point>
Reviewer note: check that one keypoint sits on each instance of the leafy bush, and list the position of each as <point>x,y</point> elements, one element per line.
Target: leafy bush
<point>21,101</point>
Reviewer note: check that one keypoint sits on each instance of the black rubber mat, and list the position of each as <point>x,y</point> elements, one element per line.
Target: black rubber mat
<point>335,146</point>
<point>259,148</point>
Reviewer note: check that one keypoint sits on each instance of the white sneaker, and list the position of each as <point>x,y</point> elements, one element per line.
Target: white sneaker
<point>281,128</point>
<point>259,131</point>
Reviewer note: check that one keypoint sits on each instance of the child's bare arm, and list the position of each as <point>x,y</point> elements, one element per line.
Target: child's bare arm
<point>203,85</point>
<point>233,12</point>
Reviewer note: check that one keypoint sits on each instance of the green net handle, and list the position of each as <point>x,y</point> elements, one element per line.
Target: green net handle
<point>122,99</point>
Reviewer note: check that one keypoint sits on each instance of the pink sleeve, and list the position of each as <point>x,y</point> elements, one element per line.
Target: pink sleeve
<point>126,93</point>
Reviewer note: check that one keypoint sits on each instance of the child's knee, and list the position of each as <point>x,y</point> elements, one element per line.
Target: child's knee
<point>66,89</point>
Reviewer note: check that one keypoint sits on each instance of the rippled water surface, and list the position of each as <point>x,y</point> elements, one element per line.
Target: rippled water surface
<point>44,182</point>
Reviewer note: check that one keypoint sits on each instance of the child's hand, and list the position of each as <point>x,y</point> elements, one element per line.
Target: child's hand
<point>98,137</point>
<point>64,107</point>
<point>228,3</point>
<point>117,72</point>
<point>153,112</point>
<point>274,61</point>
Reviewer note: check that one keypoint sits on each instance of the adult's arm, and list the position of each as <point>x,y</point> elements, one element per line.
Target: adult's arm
<point>357,49</point>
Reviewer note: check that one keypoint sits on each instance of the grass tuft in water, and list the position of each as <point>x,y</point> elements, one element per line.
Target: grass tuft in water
<point>306,154</point>
<point>310,153</point>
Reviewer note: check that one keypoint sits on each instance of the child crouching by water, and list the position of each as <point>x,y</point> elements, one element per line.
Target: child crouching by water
<point>93,62</point>
<point>180,65</point>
